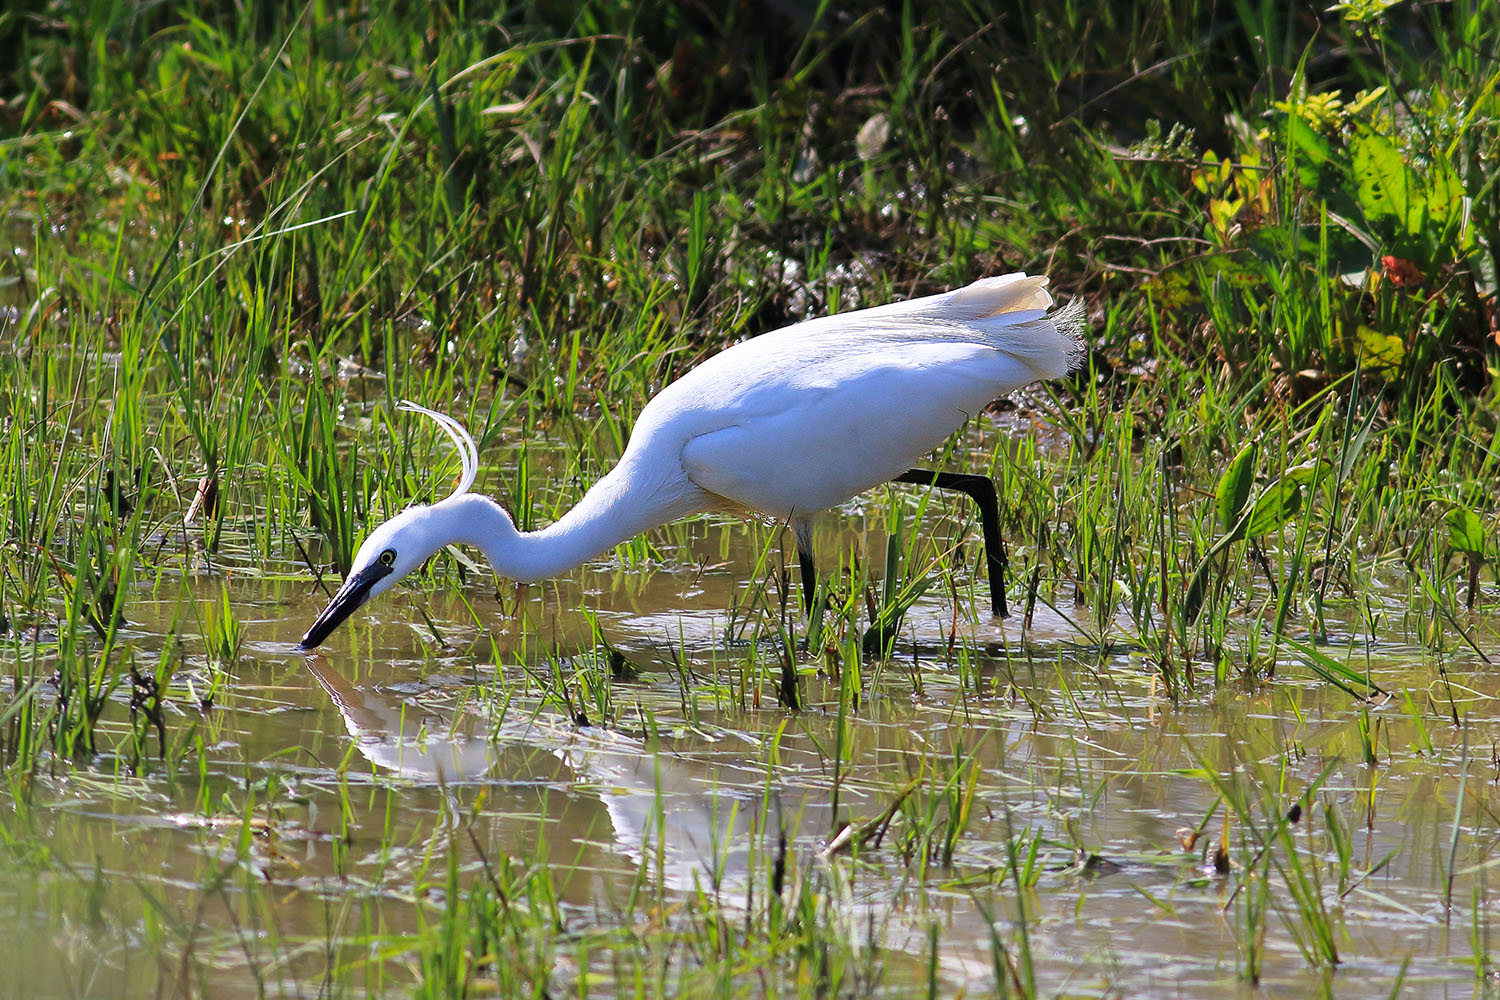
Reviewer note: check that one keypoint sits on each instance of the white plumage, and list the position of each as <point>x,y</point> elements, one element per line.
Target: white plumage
<point>785,424</point>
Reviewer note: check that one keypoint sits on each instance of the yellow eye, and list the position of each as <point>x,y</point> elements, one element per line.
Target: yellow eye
<point>388,557</point>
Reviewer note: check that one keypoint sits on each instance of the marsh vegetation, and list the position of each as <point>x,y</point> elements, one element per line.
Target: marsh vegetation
<point>1240,731</point>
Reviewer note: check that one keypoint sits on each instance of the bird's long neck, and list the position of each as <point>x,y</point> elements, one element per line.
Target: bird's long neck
<point>617,508</point>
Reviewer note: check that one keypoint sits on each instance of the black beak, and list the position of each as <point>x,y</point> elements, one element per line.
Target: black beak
<point>354,592</point>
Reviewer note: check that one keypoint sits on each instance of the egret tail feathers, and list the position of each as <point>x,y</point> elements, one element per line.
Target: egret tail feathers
<point>1007,312</point>
<point>1051,346</point>
<point>1019,296</point>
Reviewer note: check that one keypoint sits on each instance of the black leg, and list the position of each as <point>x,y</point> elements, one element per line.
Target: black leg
<point>981,490</point>
<point>802,528</point>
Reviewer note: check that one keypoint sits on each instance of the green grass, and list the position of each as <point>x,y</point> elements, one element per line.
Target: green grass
<point>238,235</point>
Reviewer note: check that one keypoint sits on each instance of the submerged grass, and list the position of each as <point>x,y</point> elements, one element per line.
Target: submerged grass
<point>239,234</point>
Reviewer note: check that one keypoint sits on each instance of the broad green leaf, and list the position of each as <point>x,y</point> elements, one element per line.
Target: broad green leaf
<point>1307,141</point>
<point>1273,508</point>
<point>1389,191</point>
<point>1380,352</point>
<point>1306,473</point>
<point>1445,204</point>
<point>1465,531</point>
<point>1233,491</point>
<point>1425,204</point>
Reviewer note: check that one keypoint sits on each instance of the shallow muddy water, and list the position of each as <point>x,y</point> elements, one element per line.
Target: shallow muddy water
<point>296,839</point>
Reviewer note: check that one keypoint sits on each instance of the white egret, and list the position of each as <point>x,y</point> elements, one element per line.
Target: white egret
<point>785,424</point>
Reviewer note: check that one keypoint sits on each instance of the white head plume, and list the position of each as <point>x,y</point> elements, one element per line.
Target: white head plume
<point>468,451</point>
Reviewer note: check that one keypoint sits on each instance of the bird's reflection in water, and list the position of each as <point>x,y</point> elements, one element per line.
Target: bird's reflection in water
<point>673,814</point>
<point>691,822</point>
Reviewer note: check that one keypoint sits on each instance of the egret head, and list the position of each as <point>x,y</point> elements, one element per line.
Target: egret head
<point>401,544</point>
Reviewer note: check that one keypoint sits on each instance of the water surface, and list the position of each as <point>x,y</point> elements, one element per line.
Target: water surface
<point>296,839</point>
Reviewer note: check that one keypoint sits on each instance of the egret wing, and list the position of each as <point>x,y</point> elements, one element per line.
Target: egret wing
<point>816,441</point>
